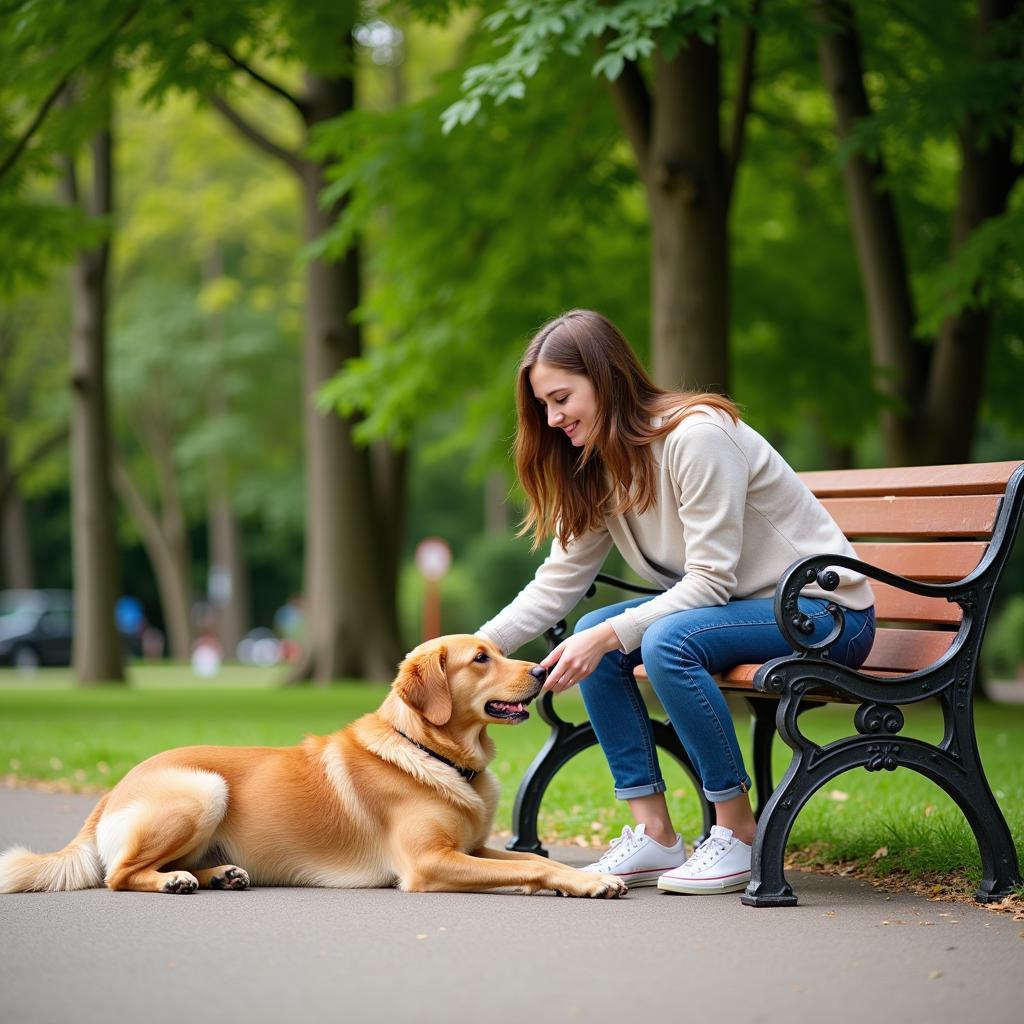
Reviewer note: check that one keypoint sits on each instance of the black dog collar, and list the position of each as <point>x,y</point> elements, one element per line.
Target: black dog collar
<point>469,774</point>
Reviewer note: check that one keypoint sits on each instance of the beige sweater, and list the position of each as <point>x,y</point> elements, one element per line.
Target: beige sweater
<point>729,517</point>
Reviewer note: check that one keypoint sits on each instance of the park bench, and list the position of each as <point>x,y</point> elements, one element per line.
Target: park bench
<point>933,541</point>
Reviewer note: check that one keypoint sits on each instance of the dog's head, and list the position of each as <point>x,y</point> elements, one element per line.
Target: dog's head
<point>466,679</point>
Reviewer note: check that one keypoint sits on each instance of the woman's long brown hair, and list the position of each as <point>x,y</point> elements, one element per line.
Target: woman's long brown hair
<point>570,491</point>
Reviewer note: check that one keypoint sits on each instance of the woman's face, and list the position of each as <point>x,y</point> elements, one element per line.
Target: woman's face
<point>568,400</point>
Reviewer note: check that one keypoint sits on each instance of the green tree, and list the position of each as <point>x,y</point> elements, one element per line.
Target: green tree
<point>202,48</point>
<point>76,80</point>
<point>96,649</point>
<point>663,63</point>
<point>459,276</point>
<point>204,348</point>
<point>932,355</point>
<point>350,535</point>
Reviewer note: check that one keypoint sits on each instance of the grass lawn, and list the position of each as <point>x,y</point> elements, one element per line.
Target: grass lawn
<point>882,823</point>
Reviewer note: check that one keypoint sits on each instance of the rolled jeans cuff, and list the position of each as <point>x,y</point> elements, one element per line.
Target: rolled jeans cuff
<point>634,791</point>
<point>721,795</point>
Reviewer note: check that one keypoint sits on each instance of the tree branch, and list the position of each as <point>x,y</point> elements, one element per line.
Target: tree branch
<point>254,135</point>
<point>633,104</point>
<point>40,451</point>
<point>133,499</point>
<point>19,147</point>
<point>279,90</point>
<point>741,107</point>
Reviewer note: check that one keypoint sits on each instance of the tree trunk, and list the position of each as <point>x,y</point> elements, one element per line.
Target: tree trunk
<point>228,573</point>
<point>686,193</point>
<point>675,132</point>
<point>15,551</point>
<point>97,647</point>
<point>956,381</point>
<point>168,555</point>
<point>935,391</point>
<point>350,562</point>
<point>390,468</point>
<point>351,619</point>
<point>900,358</point>
<point>229,577</point>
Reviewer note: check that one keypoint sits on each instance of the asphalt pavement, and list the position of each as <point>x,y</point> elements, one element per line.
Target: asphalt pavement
<point>848,952</point>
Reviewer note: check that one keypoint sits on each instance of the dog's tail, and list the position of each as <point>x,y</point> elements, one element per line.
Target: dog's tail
<point>77,866</point>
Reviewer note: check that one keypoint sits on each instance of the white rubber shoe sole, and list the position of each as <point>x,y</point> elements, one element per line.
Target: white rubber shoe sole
<point>693,887</point>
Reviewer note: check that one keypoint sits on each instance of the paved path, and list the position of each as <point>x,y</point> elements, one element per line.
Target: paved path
<point>847,953</point>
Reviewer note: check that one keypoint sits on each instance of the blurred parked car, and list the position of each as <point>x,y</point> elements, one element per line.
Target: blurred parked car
<point>35,628</point>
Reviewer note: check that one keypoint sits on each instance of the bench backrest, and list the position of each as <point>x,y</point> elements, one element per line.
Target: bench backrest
<point>930,523</point>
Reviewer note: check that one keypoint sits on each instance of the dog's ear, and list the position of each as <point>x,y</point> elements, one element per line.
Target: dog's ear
<point>423,684</point>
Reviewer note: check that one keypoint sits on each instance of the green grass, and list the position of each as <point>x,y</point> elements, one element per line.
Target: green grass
<point>885,821</point>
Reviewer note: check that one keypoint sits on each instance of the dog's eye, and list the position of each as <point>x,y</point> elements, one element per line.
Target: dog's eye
<point>482,658</point>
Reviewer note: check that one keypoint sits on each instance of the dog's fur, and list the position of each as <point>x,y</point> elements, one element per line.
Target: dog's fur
<point>363,807</point>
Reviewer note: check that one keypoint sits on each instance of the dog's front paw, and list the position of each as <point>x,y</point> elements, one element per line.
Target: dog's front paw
<point>230,877</point>
<point>180,882</point>
<point>585,883</point>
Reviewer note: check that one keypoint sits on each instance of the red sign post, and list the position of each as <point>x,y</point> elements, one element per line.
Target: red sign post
<point>433,559</point>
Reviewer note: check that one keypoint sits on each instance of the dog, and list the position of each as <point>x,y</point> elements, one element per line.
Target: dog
<point>401,797</point>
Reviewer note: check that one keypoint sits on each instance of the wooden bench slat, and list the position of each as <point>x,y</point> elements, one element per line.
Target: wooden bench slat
<point>898,606</point>
<point>940,562</point>
<point>907,650</point>
<point>963,516</point>
<point>980,478</point>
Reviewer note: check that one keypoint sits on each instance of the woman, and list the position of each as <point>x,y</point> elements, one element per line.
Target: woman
<point>696,502</point>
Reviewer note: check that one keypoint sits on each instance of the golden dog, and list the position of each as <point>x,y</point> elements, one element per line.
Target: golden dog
<point>400,797</point>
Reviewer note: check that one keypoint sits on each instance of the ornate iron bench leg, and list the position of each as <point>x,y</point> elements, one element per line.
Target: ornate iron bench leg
<point>564,743</point>
<point>810,768</point>
<point>956,767</point>
<point>762,727</point>
<point>768,886</point>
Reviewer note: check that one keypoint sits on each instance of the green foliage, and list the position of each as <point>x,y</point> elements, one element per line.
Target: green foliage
<point>34,399</point>
<point>930,83</point>
<point>801,357</point>
<point>207,312</point>
<point>985,269</point>
<point>459,276</point>
<point>37,235</point>
<point>1003,652</point>
<point>533,33</point>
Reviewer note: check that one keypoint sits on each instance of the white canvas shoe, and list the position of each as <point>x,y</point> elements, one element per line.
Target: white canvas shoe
<point>637,859</point>
<point>720,864</point>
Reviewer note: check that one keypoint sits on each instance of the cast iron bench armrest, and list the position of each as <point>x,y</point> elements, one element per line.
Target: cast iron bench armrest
<point>796,626</point>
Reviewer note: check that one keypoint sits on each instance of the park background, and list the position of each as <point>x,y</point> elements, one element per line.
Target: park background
<point>267,268</point>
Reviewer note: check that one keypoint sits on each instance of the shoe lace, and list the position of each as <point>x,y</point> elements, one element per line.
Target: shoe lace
<point>627,843</point>
<point>707,853</point>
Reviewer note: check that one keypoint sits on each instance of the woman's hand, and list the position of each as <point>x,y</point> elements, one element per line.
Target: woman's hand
<point>577,656</point>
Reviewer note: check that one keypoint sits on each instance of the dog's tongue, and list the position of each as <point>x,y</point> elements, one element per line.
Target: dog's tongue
<point>510,707</point>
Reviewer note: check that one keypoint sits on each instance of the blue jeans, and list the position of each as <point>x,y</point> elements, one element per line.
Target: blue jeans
<point>681,653</point>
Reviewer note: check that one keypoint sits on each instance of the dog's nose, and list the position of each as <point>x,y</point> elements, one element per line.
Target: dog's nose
<point>539,672</point>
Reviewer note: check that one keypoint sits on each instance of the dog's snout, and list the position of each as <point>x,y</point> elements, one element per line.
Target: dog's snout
<point>539,672</point>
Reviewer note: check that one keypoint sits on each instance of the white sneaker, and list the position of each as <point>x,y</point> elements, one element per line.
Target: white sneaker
<point>720,864</point>
<point>637,859</point>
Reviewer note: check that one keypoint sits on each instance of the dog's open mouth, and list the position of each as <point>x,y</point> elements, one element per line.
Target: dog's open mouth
<point>507,710</point>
